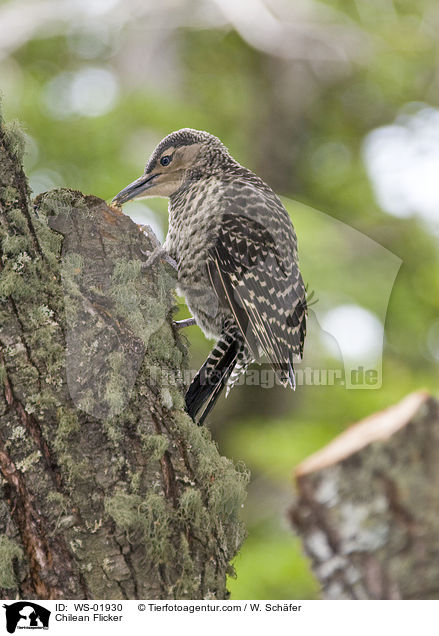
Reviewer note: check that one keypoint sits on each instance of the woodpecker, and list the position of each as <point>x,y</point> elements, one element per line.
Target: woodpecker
<point>235,252</point>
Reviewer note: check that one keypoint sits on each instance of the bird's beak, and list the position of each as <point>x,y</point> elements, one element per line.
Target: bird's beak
<point>136,189</point>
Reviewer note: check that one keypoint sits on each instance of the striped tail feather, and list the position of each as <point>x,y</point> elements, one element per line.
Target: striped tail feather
<point>207,385</point>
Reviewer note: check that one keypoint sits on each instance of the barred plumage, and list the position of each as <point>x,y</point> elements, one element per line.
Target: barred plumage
<point>236,255</point>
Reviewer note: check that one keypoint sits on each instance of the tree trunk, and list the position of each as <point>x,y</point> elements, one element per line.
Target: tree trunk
<point>368,505</point>
<point>108,489</point>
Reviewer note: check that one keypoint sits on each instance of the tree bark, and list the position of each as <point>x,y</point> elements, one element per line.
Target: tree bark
<point>367,506</point>
<point>108,489</point>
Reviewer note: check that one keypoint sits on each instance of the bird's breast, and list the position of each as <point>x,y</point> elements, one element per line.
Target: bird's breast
<point>192,220</point>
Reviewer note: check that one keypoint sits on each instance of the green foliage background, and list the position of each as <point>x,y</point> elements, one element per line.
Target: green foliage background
<point>301,125</point>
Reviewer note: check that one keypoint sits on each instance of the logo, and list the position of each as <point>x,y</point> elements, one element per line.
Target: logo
<point>26,615</point>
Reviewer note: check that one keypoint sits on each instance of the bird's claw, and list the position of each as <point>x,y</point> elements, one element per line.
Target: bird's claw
<point>152,257</point>
<point>187,322</point>
<point>157,254</point>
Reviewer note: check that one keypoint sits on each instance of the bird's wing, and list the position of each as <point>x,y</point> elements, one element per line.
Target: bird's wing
<point>262,287</point>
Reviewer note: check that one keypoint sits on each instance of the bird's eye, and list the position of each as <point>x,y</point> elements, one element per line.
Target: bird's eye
<point>166,160</point>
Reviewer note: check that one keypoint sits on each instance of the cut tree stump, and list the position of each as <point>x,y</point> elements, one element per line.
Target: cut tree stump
<point>368,506</point>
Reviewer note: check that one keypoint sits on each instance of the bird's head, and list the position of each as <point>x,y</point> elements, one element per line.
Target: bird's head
<point>179,158</point>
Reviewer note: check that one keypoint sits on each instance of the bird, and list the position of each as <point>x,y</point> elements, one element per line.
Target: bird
<point>235,250</point>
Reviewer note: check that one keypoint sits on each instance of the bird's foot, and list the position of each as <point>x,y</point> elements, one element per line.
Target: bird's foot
<point>187,322</point>
<point>157,254</point>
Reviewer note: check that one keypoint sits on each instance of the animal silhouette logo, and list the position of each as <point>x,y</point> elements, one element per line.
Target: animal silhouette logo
<point>26,615</point>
